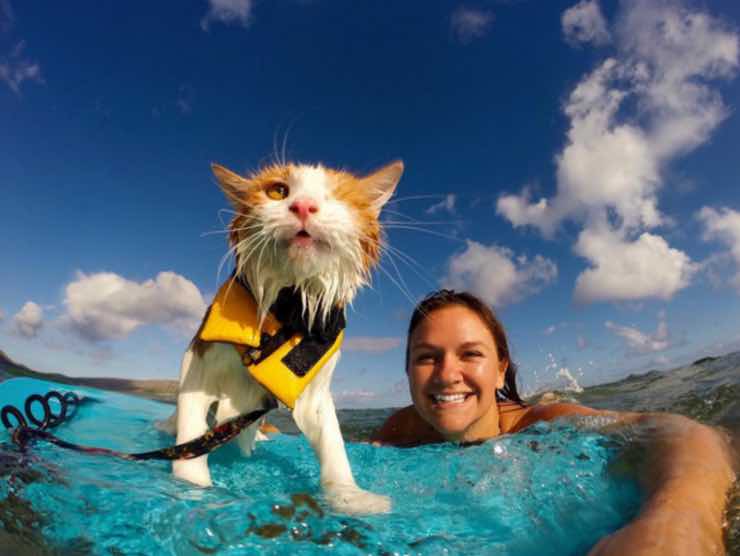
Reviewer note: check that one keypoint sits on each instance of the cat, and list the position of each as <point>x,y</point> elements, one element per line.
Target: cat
<point>305,239</point>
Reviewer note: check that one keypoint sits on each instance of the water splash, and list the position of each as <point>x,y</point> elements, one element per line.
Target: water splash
<point>555,377</point>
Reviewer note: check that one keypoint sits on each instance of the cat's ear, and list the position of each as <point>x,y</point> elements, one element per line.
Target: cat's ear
<point>232,184</point>
<point>381,184</point>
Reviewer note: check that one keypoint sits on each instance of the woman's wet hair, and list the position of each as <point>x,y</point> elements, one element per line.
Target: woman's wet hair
<point>445,298</point>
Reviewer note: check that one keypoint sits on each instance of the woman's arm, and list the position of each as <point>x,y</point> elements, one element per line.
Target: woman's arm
<point>686,472</point>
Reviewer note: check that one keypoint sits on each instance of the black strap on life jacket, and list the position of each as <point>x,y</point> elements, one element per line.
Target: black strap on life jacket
<point>288,310</point>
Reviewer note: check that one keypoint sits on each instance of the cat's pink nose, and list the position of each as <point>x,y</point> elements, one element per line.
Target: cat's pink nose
<point>303,208</point>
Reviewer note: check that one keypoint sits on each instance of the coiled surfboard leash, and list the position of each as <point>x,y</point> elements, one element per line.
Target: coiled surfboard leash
<point>30,427</point>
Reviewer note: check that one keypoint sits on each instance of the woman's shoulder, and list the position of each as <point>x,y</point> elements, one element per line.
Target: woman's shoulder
<point>406,428</point>
<point>515,417</point>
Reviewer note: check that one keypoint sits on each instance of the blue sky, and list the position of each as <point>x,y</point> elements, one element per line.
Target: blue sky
<point>574,163</point>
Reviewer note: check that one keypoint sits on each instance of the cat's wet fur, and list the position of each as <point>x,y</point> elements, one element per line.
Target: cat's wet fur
<point>299,226</point>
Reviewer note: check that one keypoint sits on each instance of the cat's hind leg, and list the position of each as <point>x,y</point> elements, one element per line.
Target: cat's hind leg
<point>246,398</point>
<point>316,416</point>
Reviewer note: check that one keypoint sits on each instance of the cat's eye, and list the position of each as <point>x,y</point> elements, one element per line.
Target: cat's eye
<point>277,191</point>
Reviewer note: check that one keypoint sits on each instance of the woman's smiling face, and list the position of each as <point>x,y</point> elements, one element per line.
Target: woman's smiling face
<point>454,371</point>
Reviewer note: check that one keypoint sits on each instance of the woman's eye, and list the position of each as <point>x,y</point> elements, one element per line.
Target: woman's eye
<point>277,191</point>
<point>471,354</point>
<point>424,358</point>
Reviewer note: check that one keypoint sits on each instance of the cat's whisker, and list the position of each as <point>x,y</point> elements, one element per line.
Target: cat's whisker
<point>228,290</point>
<point>231,251</point>
<point>257,240</point>
<point>398,273</point>
<point>418,229</point>
<point>384,249</point>
<point>415,198</point>
<point>220,216</point>
<point>327,276</point>
<point>236,216</point>
<point>254,226</point>
<point>406,293</point>
<point>229,230</point>
<point>411,219</point>
<point>421,222</point>
<point>285,143</point>
<point>214,232</point>
<point>397,213</point>
<point>239,246</point>
<point>243,244</point>
<point>234,213</point>
<point>262,249</point>
<point>412,263</point>
<point>275,153</point>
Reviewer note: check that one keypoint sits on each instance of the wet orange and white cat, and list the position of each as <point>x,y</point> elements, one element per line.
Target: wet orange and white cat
<point>295,226</point>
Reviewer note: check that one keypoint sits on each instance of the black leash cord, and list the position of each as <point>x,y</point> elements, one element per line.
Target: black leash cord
<point>22,433</point>
<point>50,419</point>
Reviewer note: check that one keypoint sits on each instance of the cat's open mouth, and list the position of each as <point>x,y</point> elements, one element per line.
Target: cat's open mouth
<point>304,239</point>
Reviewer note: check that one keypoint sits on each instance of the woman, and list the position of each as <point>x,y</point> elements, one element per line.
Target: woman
<point>463,387</point>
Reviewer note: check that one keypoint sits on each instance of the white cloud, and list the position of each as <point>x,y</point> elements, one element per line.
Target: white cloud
<point>520,212</point>
<point>714,268</point>
<point>371,344</point>
<point>640,342</point>
<point>583,23</point>
<point>581,342</point>
<point>6,16</point>
<point>673,52</point>
<point>723,225</point>
<point>611,169</point>
<point>623,270</point>
<point>718,347</point>
<point>106,306</point>
<point>496,275</point>
<point>15,69</point>
<point>550,330</point>
<point>185,99</point>
<point>228,12</point>
<point>2,315</point>
<point>354,398</point>
<point>662,360</point>
<point>29,320</point>
<point>446,204</point>
<point>468,24</point>
<point>400,387</point>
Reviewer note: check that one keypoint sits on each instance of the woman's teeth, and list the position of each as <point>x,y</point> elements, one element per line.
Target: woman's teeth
<point>449,398</point>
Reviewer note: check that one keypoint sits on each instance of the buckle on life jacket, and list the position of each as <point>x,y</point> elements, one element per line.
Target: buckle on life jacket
<point>284,364</point>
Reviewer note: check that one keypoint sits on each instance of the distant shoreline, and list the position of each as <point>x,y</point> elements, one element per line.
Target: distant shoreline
<point>153,389</point>
<point>166,390</point>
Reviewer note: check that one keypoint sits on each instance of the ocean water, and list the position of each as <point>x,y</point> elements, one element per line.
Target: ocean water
<point>554,489</point>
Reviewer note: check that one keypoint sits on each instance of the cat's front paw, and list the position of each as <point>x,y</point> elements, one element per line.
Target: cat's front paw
<point>354,500</point>
<point>193,471</point>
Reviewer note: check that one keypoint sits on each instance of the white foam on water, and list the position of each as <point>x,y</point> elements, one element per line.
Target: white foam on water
<point>554,377</point>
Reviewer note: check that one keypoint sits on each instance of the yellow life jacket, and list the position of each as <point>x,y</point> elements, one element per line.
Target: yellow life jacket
<point>288,368</point>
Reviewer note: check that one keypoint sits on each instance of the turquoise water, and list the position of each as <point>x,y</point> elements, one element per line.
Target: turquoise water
<point>546,490</point>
